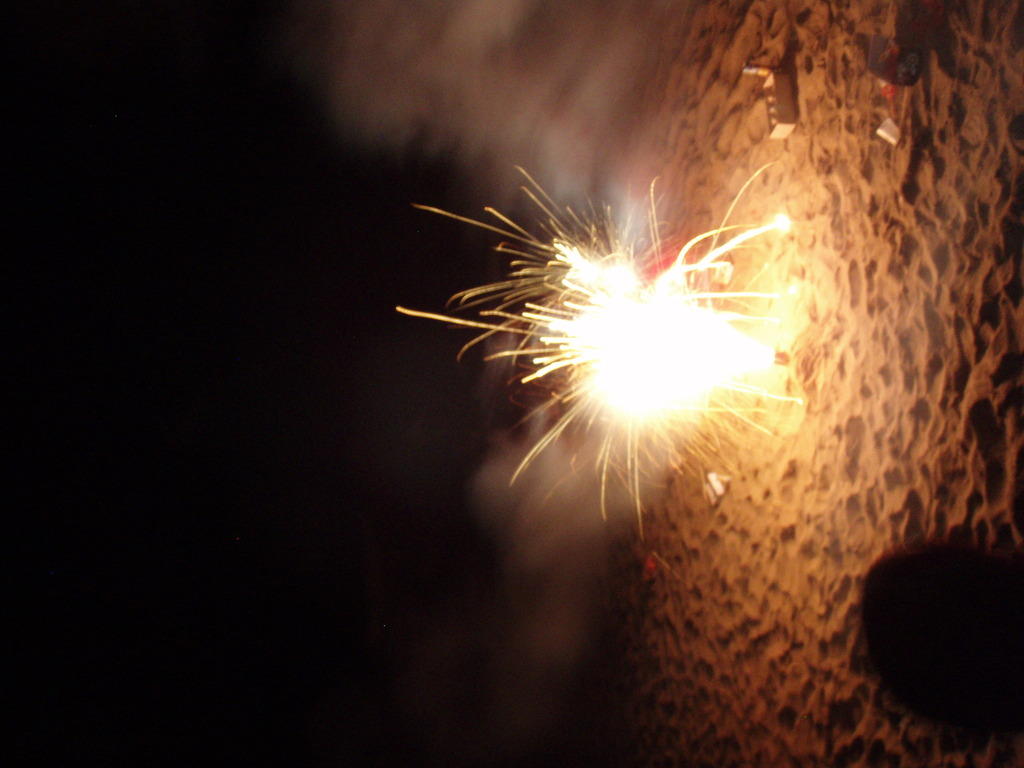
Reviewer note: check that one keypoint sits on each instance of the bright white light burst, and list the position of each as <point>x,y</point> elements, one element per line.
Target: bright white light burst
<point>633,351</point>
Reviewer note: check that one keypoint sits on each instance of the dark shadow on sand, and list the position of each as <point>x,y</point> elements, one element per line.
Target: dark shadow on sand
<point>945,630</point>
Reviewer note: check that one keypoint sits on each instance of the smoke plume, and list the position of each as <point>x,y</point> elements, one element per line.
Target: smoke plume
<point>553,87</point>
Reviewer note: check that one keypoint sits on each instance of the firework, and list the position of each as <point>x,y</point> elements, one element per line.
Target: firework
<point>638,350</point>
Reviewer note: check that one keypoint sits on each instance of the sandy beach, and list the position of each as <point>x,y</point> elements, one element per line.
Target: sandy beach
<point>908,259</point>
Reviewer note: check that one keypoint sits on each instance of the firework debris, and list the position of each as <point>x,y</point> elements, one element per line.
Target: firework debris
<point>780,97</point>
<point>892,63</point>
<point>898,61</point>
<point>889,131</point>
<point>715,488</point>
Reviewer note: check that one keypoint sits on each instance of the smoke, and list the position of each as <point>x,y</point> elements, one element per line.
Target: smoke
<point>557,88</point>
<point>554,87</point>
<point>553,556</point>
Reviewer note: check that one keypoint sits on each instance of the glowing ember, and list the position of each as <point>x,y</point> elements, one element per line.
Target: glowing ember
<point>646,349</point>
<point>638,356</point>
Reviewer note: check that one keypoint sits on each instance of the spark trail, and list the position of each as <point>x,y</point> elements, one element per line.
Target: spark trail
<point>654,358</point>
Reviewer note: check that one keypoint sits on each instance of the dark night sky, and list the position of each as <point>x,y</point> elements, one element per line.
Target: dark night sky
<point>250,477</point>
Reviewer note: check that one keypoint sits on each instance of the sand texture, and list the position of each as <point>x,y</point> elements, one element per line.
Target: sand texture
<point>747,647</point>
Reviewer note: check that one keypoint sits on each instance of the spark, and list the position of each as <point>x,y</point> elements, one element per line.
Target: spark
<point>641,353</point>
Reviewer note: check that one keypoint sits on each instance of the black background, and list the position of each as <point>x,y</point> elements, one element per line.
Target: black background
<point>253,470</point>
